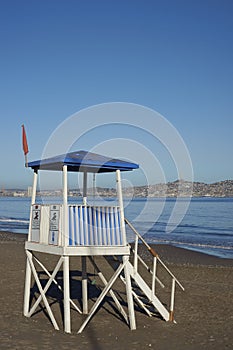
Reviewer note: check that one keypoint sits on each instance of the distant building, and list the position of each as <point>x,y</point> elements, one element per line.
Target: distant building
<point>29,191</point>
<point>18,194</point>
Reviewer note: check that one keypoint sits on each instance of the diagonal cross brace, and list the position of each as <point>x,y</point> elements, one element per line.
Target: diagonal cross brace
<point>42,291</point>
<point>102,295</point>
<point>51,279</point>
<point>113,295</point>
<point>58,285</point>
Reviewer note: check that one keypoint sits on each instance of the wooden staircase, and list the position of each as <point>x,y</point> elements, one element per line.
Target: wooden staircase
<point>143,293</point>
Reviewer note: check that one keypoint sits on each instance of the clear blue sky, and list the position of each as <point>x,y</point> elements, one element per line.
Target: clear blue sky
<point>173,56</point>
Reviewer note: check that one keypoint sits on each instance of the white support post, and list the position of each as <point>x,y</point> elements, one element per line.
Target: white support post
<point>65,232</point>
<point>28,274</point>
<point>84,259</point>
<point>33,200</point>
<point>94,188</point>
<point>129,295</point>
<point>66,281</point>
<point>84,285</point>
<point>66,268</point>
<point>85,188</point>
<point>65,184</point>
<point>27,287</point>
<point>121,204</point>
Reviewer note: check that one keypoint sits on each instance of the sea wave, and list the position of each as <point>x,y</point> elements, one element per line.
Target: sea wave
<point>13,224</point>
<point>13,220</point>
<point>188,244</point>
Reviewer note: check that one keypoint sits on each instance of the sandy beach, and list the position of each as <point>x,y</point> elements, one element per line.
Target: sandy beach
<point>203,312</point>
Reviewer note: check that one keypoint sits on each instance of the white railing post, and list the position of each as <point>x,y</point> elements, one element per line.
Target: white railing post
<point>171,318</point>
<point>136,255</point>
<point>154,276</point>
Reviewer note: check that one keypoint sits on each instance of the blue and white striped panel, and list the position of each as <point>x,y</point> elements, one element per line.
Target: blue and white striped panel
<point>95,226</point>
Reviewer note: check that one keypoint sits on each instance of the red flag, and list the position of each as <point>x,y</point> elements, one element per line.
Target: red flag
<point>24,140</point>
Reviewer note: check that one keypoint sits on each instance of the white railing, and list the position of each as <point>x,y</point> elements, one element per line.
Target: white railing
<point>87,225</point>
<point>153,271</point>
<point>95,226</point>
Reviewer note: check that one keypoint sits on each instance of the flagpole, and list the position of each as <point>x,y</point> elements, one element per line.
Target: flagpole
<point>25,145</point>
<point>26,161</point>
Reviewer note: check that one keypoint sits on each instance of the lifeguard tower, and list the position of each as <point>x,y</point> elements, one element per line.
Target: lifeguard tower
<point>82,230</point>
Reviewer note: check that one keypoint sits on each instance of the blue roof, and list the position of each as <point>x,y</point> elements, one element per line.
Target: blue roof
<point>83,161</point>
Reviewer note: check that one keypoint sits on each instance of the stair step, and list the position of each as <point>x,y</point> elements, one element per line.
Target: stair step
<point>141,289</point>
<point>144,299</point>
<point>148,293</point>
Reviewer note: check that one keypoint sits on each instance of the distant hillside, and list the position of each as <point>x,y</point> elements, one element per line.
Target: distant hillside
<point>185,188</point>
<point>176,188</point>
<point>217,189</point>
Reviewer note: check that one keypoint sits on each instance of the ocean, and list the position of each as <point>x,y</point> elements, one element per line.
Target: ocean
<point>206,227</point>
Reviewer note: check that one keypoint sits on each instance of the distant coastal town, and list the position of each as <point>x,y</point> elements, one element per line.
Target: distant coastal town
<point>176,188</point>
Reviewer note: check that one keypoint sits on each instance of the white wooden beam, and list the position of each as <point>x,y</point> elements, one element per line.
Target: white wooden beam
<point>84,285</point>
<point>66,281</point>
<point>27,287</point>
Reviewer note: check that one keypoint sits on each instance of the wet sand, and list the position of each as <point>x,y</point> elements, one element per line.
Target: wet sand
<point>203,312</point>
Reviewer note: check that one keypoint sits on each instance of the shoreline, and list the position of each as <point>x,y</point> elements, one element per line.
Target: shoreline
<point>169,253</point>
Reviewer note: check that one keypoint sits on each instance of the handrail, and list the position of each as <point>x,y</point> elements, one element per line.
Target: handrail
<point>148,268</point>
<point>153,253</point>
<point>150,249</point>
<point>171,274</point>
